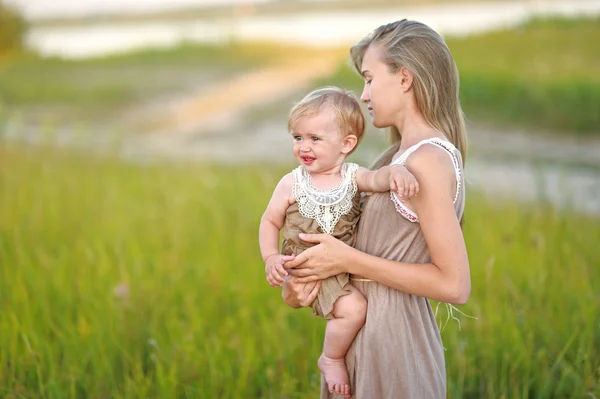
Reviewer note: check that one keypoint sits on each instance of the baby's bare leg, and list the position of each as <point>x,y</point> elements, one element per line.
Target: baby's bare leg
<point>349,313</point>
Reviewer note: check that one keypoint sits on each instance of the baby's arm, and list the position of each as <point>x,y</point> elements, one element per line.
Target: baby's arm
<point>268,233</point>
<point>388,178</point>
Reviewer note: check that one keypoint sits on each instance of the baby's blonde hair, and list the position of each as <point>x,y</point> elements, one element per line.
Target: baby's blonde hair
<point>344,104</point>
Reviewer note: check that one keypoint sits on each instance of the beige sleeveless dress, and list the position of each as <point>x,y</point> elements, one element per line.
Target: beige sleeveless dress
<point>345,230</point>
<point>398,354</point>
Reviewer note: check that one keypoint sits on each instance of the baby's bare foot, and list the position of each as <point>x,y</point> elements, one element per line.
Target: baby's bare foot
<point>336,375</point>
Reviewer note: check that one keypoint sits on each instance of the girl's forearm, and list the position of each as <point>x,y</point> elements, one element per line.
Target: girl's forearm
<point>421,279</point>
<point>268,239</point>
<point>376,181</point>
<point>381,180</point>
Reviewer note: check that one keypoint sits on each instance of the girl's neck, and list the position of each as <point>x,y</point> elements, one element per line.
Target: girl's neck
<point>327,179</point>
<point>414,128</point>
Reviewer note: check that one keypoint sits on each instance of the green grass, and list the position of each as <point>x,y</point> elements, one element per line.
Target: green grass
<point>80,89</point>
<point>544,75</point>
<point>127,281</point>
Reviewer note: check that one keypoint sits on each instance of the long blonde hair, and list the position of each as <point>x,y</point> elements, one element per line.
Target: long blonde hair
<point>417,47</point>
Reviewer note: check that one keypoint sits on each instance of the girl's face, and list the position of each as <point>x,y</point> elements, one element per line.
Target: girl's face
<point>384,90</point>
<point>318,143</point>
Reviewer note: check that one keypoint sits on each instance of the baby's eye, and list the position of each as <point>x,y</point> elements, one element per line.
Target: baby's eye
<point>297,138</point>
<point>314,138</point>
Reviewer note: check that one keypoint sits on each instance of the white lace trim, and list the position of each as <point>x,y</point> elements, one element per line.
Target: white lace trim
<point>451,150</point>
<point>325,206</point>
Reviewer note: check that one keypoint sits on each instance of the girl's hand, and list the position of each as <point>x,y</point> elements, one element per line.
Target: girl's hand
<point>403,183</point>
<point>274,270</point>
<point>298,295</point>
<point>321,261</point>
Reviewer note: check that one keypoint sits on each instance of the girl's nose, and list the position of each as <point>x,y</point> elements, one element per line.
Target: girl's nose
<point>364,97</point>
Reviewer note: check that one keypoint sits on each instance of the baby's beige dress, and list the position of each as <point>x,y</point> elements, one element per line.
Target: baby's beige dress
<point>344,229</point>
<point>398,354</point>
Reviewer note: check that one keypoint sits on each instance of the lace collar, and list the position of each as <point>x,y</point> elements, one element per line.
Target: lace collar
<point>325,206</point>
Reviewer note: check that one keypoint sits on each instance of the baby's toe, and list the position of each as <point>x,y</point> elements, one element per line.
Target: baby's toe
<point>347,390</point>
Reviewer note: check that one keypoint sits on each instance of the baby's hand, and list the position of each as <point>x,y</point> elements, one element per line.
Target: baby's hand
<point>274,270</point>
<point>403,182</point>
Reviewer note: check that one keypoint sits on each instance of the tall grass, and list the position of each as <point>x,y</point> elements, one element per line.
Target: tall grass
<point>545,74</point>
<point>542,75</point>
<point>127,281</point>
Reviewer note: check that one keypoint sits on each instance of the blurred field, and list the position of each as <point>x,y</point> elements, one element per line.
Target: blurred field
<point>544,75</point>
<point>56,91</point>
<point>130,281</point>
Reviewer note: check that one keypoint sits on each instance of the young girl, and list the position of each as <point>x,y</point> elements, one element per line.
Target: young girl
<point>322,196</point>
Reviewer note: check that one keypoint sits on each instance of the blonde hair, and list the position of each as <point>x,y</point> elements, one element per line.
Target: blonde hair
<point>417,47</point>
<point>343,103</point>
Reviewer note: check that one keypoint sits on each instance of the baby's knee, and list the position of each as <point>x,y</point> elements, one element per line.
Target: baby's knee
<point>358,307</point>
<point>361,308</point>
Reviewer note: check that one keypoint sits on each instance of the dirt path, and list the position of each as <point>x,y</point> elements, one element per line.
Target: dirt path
<point>227,99</point>
<point>221,106</point>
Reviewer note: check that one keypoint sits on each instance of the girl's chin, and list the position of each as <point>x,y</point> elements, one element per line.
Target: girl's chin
<point>379,124</point>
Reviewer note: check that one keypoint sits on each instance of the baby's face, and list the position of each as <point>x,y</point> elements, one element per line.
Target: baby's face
<point>318,143</point>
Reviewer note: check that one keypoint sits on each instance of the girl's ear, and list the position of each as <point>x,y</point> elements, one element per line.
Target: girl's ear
<point>405,77</point>
<point>349,143</point>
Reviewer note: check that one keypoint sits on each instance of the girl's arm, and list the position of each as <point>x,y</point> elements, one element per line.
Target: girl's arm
<point>388,178</point>
<point>446,278</point>
<point>373,181</point>
<point>268,232</point>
